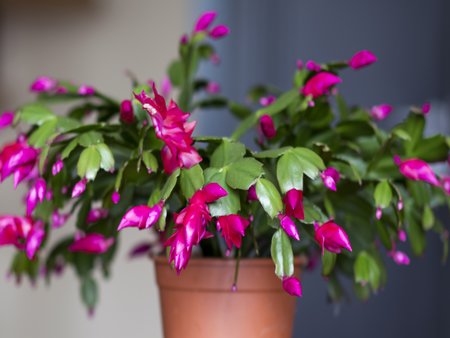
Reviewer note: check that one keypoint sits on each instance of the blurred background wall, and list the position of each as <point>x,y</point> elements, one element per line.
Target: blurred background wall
<point>95,41</point>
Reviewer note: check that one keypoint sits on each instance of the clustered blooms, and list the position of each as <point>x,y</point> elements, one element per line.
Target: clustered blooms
<point>172,128</point>
<point>203,25</point>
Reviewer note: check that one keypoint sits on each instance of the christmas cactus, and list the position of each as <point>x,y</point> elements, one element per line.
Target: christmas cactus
<point>321,179</point>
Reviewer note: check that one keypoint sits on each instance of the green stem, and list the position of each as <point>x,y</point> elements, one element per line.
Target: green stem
<point>236,270</point>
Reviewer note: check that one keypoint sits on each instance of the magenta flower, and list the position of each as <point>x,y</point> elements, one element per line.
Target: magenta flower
<point>140,250</point>
<point>233,229</point>
<point>126,112</point>
<point>426,107</point>
<point>43,84</point>
<point>34,240</point>
<point>417,170</point>
<point>36,195</point>
<point>267,126</point>
<point>191,224</point>
<point>320,84</point>
<point>17,159</point>
<point>9,234</point>
<point>289,227</point>
<point>86,90</point>
<point>445,182</point>
<point>57,167</point>
<point>299,64</point>
<point>6,119</point>
<point>313,66</point>
<point>400,257</point>
<point>219,31</point>
<point>58,220</point>
<point>380,112</point>
<point>95,215</point>
<point>330,178</point>
<point>267,100</point>
<point>292,286</point>
<point>184,39</point>
<point>172,128</point>
<point>293,201</point>
<point>141,216</point>
<point>331,237</point>
<point>115,197</point>
<point>402,235</point>
<point>91,243</point>
<point>213,88</point>
<point>251,194</point>
<point>362,59</point>
<point>166,86</point>
<point>204,21</point>
<point>79,188</point>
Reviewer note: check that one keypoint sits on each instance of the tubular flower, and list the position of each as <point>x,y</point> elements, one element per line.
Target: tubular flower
<point>399,257</point>
<point>426,107</point>
<point>380,112</point>
<point>43,84</point>
<point>320,84</point>
<point>289,227</point>
<point>292,286</point>
<point>58,220</point>
<point>191,224</point>
<point>251,194</point>
<point>204,21</point>
<point>293,201</point>
<point>446,184</point>
<point>18,159</point>
<point>213,88</point>
<point>417,170</point>
<point>57,167</point>
<point>126,112</point>
<point>362,59</point>
<point>331,237</point>
<point>219,31</point>
<point>233,229</point>
<point>313,66</point>
<point>85,90</point>
<point>96,215</point>
<point>267,100</point>
<point>79,188</point>
<point>115,197</point>
<point>141,216</point>
<point>36,195</point>
<point>330,178</point>
<point>267,126</point>
<point>172,128</point>
<point>91,243</point>
<point>6,119</point>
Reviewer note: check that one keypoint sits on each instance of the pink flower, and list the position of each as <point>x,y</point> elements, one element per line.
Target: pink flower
<point>402,235</point>
<point>289,227</point>
<point>293,201</point>
<point>43,84</point>
<point>95,215</point>
<point>426,107</point>
<point>58,220</point>
<point>86,90</point>
<point>57,167</point>
<point>18,159</point>
<point>140,250</point>
<point>126,112</point>
<point>213,88</point>
<point>381,111</point>
<point>172,128</point>
<point>6,119</point>
<point>313,66</point>
<point>379,213</point>
<point>267,100</point>
<point>331,237</point>
<point>184,39</point>
<point>115,198</point>
<point>36,195</point>
<point>91,243</point>
<point>191,224</point>
<point>320,84</point>
<point>204,21</point>
<point>166,86</point>
<point>233,229</point>
<point>219,31</point>
<point>141,216</point>
<point>400,205</point>
<point>300,64</point>
<point>79,188</point>
<point>251,194</point>
<point>34,240</point>
<point>445,182</point>
<point>362,59</point>
<point>330,178</point>
<point>292,286</point>
<point>417,170</point>
<point>267,126</point>
<point>400,257</point>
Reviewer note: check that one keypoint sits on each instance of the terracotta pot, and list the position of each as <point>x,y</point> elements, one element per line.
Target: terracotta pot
<point>199,302</point>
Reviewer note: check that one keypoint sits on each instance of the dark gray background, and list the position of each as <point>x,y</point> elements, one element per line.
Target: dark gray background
<point>412,42</point>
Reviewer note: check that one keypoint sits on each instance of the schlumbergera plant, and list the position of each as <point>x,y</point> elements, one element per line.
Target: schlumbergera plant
<point>325,182</point>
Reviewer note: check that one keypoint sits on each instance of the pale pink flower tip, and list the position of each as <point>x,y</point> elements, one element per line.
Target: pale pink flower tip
<point>219,32</point>
<point>85,90</point>
<point>380,112</point>
<point>267,100</point>
<point>400,258</point>
<point>426,107</point>
<point>79,188</point>
<point>379,213</point>
<point>6,119</point>
<point>292,286</point>
<point>362,59</point>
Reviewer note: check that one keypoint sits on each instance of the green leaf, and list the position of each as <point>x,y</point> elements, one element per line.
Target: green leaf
<point>414,125</point>
<point>89,292</point>
<point>229,204</point>
<point>272,153</point>
<point>416,234</point>
<point>309,156</point>
<point>176,73</point>
<point>90,138</point>
<point>228,152</point>
<point>150,161</point>
<point>427,218</point>
<point>39,138</point>
<point>170,184</point>
<point>36,113</point>
<point>89,163</point>
<point>67,123</point>
<point>69,148</point>
<point>289,172</point>
<point>352,129</point>
<point>383,194</point>
<point>269,197</point>
<point>342,107</point>
<point>282,255</point>
<point>107,158</point>
<point>432,149</point>
<point>239,110</point>
<point>312,213</point>
<point>328,262</point>
<point>244,173</point>
<point>191,180</point>
<point>367,271</point>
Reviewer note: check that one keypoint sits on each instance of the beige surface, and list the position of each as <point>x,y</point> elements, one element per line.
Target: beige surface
<point>91,41</point>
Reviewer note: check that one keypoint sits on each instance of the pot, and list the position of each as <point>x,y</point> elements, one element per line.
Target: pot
<point>200,303</point>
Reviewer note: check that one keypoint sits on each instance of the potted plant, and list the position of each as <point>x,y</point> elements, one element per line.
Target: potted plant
<point>235,224</point>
